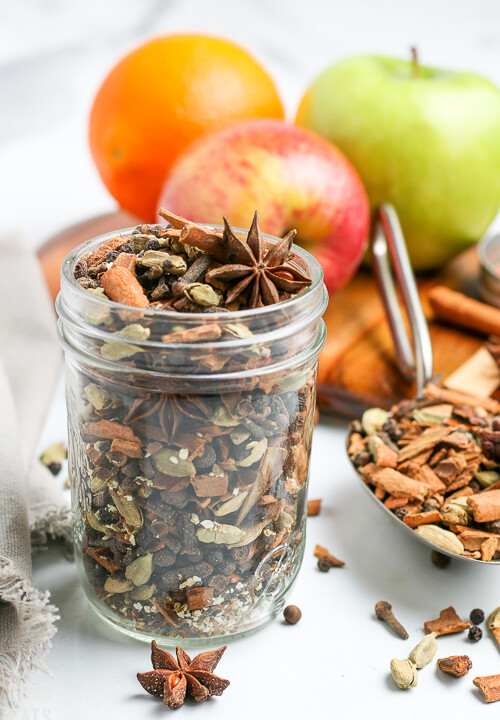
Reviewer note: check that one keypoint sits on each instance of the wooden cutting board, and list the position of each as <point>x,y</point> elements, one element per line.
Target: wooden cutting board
<point>358,366</point>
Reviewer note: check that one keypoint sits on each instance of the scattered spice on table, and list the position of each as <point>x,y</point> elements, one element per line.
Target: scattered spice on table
<point>447,623</point>
<point>489,687</point>
<point>383,611</point>
<point>326,558</point>
<point>172,680</point>
<point>435,463</point>
<point>424,651</point>
<point>53,457</point>
<point>292,614</point>
<point>455,665</point>
<point>324,564</point>
<point>476,616</point>
<point>313,507</point>
<point>405,672</point>
<point>475,634</point>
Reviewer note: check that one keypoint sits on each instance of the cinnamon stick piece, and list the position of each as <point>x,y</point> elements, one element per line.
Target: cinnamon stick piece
<point>461,398</point>
<point>485,506</point>
<point>399,485</point>
<point>461,310</point>
<point>313,507</point>
<point>448,622</point>
<point>121,285</point>
<point>489,685</point>
<point>423,518</point>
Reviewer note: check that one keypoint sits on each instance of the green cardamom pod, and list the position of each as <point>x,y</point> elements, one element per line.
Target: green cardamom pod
<point>202,294</point>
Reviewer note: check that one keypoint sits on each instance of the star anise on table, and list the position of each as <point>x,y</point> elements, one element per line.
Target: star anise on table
<point>171,679</point>
<point>264,272</point>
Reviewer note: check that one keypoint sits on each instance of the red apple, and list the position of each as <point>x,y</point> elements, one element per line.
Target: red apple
<point>293,177</point>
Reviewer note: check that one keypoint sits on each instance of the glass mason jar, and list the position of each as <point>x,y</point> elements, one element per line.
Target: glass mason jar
<point>189,443</point>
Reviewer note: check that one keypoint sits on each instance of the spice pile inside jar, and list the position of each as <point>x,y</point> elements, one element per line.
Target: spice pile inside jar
<point>191,505</point>
<point>190,268</point>
<point>435,463</point>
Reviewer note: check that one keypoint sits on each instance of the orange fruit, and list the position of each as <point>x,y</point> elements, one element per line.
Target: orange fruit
<point>160,98</point>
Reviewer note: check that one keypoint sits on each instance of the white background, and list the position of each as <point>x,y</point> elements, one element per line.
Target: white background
<point>53,54</point>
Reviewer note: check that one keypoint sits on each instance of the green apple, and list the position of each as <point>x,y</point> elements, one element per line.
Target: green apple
<point>426,140</point>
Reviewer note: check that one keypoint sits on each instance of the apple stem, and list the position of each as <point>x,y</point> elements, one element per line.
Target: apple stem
<point>414,63</point>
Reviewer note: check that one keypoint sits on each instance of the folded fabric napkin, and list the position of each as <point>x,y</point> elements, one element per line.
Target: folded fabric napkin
<point>30,362</point>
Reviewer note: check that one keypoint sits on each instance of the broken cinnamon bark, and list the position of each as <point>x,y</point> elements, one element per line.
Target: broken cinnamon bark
<point>424,518</point>
<point>444,469</point>
<point>447,623</point>
<point>320,552</point>
<point>489,685</point>
<point>455,665</point>
<point>313,507</point>
<point>485,506</point>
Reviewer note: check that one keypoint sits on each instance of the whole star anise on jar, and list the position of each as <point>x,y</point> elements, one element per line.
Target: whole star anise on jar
<point>171,679</point>
<point>264,272</point>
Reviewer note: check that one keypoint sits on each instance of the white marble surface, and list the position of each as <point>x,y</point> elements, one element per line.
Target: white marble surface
<point>335,662</point>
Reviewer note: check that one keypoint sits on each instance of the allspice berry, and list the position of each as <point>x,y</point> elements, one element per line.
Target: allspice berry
<point>292,614</point>
<point>477,616</point>
<point>324,563</point>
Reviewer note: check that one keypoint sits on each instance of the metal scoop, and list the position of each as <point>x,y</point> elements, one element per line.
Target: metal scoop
<point>414,356</point>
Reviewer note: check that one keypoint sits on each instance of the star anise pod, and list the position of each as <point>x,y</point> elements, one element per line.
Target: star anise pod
<point>171,679</point>
<point>262,271</point>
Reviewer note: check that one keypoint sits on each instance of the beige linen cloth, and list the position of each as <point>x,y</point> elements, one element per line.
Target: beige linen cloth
<point>30,501</point>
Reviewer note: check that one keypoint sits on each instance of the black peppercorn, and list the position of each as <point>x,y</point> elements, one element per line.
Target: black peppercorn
<point>81,269</point>
<point>391,428</point>
<point>401,513</point>
<point>363,458</point>
<point>324,563</point>
<point>477,616</point>
<point>475,633</point>
<point>292,614</point>
<point>126,248</point>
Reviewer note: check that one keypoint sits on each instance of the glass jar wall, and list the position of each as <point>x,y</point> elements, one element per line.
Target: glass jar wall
<point>189,442</point>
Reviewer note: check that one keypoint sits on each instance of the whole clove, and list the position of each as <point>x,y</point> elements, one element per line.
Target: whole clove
<point>383,611</point>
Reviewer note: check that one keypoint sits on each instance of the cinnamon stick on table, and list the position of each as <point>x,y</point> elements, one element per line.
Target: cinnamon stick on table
<point>463,311</point>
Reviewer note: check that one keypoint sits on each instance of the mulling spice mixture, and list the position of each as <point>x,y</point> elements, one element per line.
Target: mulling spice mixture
<point>191,506</point>
<point>435,463</point>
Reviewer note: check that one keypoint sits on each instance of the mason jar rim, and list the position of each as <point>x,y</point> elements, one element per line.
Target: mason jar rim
<point>83,249</point>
